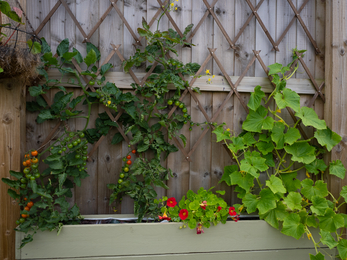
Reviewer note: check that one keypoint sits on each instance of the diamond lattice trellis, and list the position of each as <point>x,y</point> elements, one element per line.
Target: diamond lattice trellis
<point>213,54</point>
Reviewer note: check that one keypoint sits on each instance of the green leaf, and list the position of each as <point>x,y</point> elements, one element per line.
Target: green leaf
<point>69,55</point>
<point>327,239</point>
<point>277,214</point>
<point>184,139</point>
<point>13,194</point>
<point>45,47</point>
<point>36,91</point>
<point>265,147</point>
<point>221,134</point>
<point>45,115</point>
<point>50,60</point>
<point>256,97</point>
<point>343,192</point>
<point>248,139</point>
<point>316,166</point>
<point>33,185</point>
<point>342,248</point>
<point>104,68</point>
<point>90,58</point>
<point>301,152</point>
<point>309,190</point>
<point>291,136</point>
<point>275,68</point>
<point>250,201</point>
<point>194,205</point>
<point>237,144</point>
<point>310,118</point>
<point>331,221</point>
<point>253,163</point>
<point>90,47</point>
<point>244,181</point>
<point>117,138</point>
<point>318,256</point>
<point>35,47</point>
<point>277,135</point>
<point>257,121</point>
<point>288,98</point>
<point>292,226</point>
<point>327,138</point>
<point>11,183</point>
<point>319,205</point>
<point>267,201</point>
<point>276,185</point>
<point>192,223</point>
<point>63,47</point>
<point>336,168</point>
<point>17,175</point>
<point>312,221</point>
<point>228,170</point>
<point>56,165</point>
<point>78,56</point>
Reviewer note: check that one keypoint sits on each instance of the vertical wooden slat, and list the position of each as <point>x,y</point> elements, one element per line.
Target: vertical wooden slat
<point>12,146</point>
<point>336,79</point>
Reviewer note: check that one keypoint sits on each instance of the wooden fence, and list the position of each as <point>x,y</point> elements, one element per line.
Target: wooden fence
<point>235,39</point>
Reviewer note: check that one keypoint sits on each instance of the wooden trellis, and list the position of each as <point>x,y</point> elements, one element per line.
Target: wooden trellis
<point>212,55</point>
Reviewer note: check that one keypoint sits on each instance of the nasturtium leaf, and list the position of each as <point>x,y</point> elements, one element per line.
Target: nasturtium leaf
<point>327,239</point>
<point>237,144</point>
<point>248,139</point>
<point>275,68</point>
<point>309,190</point>
<point>221,134</point>
<point>288,98</point>
<point>267,201</point>
<point>192,223</point>
<point>343,193</point>
<point>194,205</point>
<point>319,205</point>
<point>250,201</point>
<point>292,226</point>
<point>336,168</point>
<point>342,248</point>
<point>293,201</point>
<point>253,163</point>
<point>290,181</point>
<point>316,166</point>
<point>276,185</point>
<point>269,160</point>
<point>277,214</point>
<point>318,256</point>
<point>277,135</point>
<point>245,181</point>
<point>327,138</point>
<point>301,152</point>
<point>90,58</point>
<point>264,147</point>
<point>331,221</point>
<point>257,121</point>
<point>310,118</point>
<point>228,170</point>
<point>291,136</point>
<point>256,97</point>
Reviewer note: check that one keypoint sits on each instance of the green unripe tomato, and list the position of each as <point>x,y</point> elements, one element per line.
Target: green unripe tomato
<point>124,159</point>
<point>70,146</point>
<point>185,121</point>
<point>181,105</point>
<point>177,103</point>
<point>169,102</point>
<point>22,220</point>
<point>81,134</point>
<point>23,180</point>
<point>37,175</point>
<point>34,166</point>
<point>71,134</point>
<point>23,186</point>
<point>120,181</point>
<point>28,176</point>
<point>17,222</point>
<point>32,178</point>
<point>74,143</point>
<point>184,110</point>
<point>121,175</point>
<point>64,149</point>
<point>77,156</point>
<point>190,129</point>
<point>191,123</point>
<point>91,83</point>
<point>78,140</point>
<point>185,115</point>
<point>126,169</point>
<point>26,170</point>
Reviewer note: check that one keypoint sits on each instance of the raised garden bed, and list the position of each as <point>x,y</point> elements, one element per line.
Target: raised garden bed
<point>246,240</point>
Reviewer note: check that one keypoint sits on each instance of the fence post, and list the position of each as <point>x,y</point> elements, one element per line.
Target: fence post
<point>12,146</point>
<point>335,110</point>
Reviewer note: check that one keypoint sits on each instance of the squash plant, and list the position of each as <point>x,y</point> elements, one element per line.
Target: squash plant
<point>270,145</point>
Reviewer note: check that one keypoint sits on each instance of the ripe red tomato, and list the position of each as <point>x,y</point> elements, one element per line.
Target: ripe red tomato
<point>128,162</point>
<point>26,208</point>
<point>25,215</point>
<point>30,204</point>
<point>34,153</point>
<point>129,156</point>
<point>133,151</point>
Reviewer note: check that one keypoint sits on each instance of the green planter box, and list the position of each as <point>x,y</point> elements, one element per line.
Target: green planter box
<point>246,240</point>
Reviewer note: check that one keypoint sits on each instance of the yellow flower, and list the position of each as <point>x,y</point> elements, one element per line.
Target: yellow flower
<point>209,79</point>
<point>109,102</point>
<point>241,208</point>
<point>207,72</point>
<point>308,175</point>
<point>175,8</point>
<point>172,4</point>
<point>280,121</point>
<point>228,129</point>
<point>213,76</point>
<point>309,236</point>
<point>176,0</point>
<point>278,110</point>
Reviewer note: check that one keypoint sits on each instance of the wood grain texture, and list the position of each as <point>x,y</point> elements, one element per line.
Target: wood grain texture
<point>151,239</point>
<point>12,146</point>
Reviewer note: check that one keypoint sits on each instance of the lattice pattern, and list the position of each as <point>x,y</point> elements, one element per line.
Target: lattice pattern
<point>212,55</point>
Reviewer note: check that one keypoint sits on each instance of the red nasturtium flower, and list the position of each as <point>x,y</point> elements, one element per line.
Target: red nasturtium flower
<point>171,202</point>
<point>199,229</point>
<point>219,208</point>
<point>183,214</point>
<point>233,214</point>
<point>203,204</point>
<point>164,217</point>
